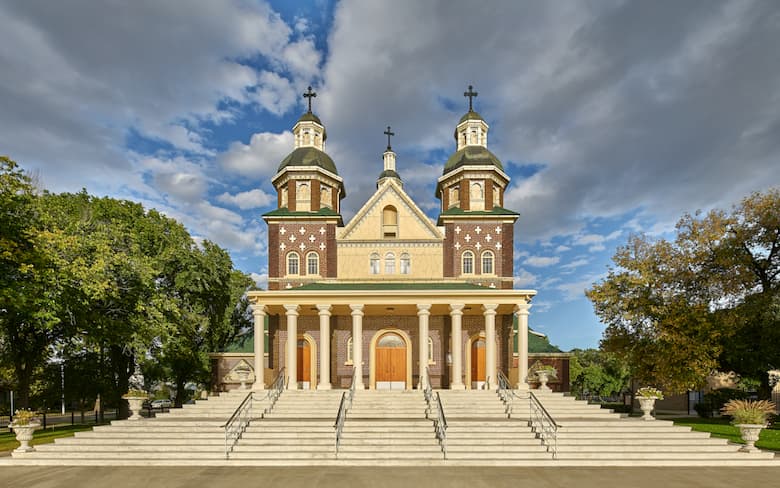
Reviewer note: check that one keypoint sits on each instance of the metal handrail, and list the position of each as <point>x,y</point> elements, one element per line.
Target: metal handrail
<point>344,406</point>
<point>427,391</point>
<point>543,425</point>
<point>440,426</point>
<point>238,422</point>
<point>506,393</point>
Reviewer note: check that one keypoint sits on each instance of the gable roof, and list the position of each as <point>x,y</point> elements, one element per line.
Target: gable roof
<point>390,186</point>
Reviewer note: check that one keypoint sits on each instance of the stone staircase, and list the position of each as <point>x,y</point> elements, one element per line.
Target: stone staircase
<point>391,428</point>
<point>591,436</point>
<point>191,435</point>
<point>480,432</point>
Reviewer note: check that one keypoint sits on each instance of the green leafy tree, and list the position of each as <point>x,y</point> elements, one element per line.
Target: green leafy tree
<point>709,299</point>
<point>598,373</point>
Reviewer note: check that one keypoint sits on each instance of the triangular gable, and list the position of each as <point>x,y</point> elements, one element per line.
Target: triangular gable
<point>412,222</point>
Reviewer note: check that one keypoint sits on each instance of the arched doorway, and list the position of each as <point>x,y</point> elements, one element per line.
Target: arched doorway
<point>306,362</point>
<point>390,360</point>
<point>478,364</point>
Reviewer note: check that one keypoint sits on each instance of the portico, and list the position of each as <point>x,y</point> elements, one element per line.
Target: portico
<point>432,323</point>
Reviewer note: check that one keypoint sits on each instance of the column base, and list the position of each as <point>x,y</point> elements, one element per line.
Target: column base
<point>326,386</point>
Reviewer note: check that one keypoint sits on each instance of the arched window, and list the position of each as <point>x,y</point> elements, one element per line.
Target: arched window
<point>496,196</point>
<point>405,263</point>
<point>293,264</point>
<point>487,262</point>
<point>389,222</point>
<point>468,263</point>
<point>326,200</point>
<point>350,349</point>
<point>312,263</point>
<point>374,263</point>
<point>477,196</point>
<point>284,198</point>
<point>389,263</point>
<point>454,197</point>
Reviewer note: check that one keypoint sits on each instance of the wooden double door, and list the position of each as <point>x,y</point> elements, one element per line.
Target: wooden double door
<point>304,364</point>
<point>391,362</point>
<point>478,363</point>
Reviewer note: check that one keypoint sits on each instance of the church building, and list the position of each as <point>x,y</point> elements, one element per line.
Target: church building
<point>391,292</point>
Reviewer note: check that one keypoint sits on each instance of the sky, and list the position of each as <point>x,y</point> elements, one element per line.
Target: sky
<point>611,117</point>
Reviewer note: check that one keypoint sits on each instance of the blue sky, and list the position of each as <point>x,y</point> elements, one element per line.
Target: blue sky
<point>611,117</point>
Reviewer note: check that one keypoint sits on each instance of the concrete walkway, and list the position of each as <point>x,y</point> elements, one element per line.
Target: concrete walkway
<point>156,477</point>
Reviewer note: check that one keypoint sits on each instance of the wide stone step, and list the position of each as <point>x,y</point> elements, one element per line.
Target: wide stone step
<point>647,441</point>
<point>631,435</point>
<point>646,456</point>
<point>134,448</point>
<point>497,455</point>
<point>642,447</point>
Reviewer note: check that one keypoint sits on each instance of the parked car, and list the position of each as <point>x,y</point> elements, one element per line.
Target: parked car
<point>161,403</point>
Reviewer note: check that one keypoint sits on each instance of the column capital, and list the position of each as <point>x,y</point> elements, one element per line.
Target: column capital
<point>357,309</point>
<point>457,308</point>
<point>292,309</point>
<point>258,309</point>
<point>423,309</point>
<point>489,308</point>
<point>523,308</point>
<point>324,309</point>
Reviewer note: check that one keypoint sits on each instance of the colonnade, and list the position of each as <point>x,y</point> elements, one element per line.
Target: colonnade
<point>259,312</point>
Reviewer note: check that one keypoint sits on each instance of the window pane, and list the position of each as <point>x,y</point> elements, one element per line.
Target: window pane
<point>487,263</point>
<point>374,263</point>
<point>313,264</point>
<point>292,264</point>
<point>468,262</point>
<point>405,263</point>
<point>389,263</point>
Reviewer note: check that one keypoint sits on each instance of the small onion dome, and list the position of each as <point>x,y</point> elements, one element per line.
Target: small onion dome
<point>308,156</point>
<point>470,115</point>
<point>389,173</point>
<point>310,117</point>
<point>472,156</point>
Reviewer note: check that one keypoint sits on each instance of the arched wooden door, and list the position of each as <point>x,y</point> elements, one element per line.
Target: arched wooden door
<point>391,362</point>
<point>478,363</point>
<point>304,364</point>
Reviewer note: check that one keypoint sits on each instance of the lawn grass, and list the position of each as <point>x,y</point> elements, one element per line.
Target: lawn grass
<point>769,439</point>
<point>8,440</point>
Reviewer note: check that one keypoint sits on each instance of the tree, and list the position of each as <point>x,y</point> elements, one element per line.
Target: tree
<point>28,282</point>
<point>597,373</point>
<point>677,310</point>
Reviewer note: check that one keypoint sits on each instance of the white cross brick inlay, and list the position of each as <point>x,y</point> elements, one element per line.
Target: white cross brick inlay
<point>292,238</point>
<point>488,238</point>
<point>457,245</point>
<point>322,246</point>
<point>302,246</point>
<point>457,230</point>
<point>283,231</point>
<point>467,238</point>
<point>282,246</point>
<point>322,230</point>
<point>498,229</point>
<point>478,246</point>
<point>498,245</point>
<point>312,238</point>
<point>478,230</point>
<point>301,231</point>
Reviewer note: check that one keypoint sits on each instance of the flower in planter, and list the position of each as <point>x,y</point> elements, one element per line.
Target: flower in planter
<point>24,417</point>
<point>756,412</point>
<point>650,392</point>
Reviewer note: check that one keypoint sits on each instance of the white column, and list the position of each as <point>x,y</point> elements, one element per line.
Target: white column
<point>292,347</point>
<point>522,345</point>
<point>324,347</point>
<point>357,344</point>
<point>423,312</point>
<point>258,312</point>
<point>490,344</point>
<point>456,314</point>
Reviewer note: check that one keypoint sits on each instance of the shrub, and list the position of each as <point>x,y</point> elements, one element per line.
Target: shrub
<point>749,411</point>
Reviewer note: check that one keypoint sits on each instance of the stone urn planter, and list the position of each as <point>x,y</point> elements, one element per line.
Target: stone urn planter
<point>243,377</point>
<point>24,434</point>
<point>647,404</point>
<point>136,404</point>
<point>749,433</point>
<point>543,376</point>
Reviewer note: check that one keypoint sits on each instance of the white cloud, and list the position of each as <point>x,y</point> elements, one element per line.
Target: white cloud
<point>261,280</point>
<point>248,199</point>
<point>261,157</point>
<point>575,290</point>
<point>597,248</point>
<point>575,264</point>
<point>562,248</point>
<point>541,261</point>
<point>524,278</point>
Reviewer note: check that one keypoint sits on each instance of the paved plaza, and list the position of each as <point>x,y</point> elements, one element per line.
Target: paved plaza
<point>311,477</point>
